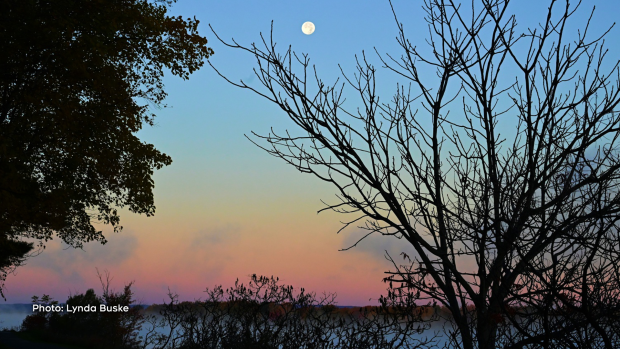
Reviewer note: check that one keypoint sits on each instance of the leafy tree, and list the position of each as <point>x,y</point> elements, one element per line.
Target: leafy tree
<point>501,170</point>
<point>77,80</point>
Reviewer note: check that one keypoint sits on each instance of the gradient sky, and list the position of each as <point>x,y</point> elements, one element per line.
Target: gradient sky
<point>226,209</point>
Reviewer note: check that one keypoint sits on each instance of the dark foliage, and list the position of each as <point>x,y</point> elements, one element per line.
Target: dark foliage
<point>262,315</point>
<point>77,78</point>
<point>268,315</point>
<point>92,329</point>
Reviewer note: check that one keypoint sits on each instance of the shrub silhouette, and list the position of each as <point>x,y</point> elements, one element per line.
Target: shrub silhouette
<point>91,329</point>
<point>268,315</point>
<point>262,315</point>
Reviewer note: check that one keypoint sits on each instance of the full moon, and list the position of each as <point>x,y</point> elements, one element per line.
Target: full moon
<point>307,28</point>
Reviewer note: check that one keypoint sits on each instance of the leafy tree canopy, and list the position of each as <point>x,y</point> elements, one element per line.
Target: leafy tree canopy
<point>78,79</point>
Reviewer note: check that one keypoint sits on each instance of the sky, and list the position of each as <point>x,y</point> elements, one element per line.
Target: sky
<point>225,208</point>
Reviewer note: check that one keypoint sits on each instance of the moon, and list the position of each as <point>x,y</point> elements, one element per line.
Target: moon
<point>307,28</point>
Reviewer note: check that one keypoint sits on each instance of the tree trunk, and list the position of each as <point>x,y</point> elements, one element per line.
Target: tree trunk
<point>487,330</point>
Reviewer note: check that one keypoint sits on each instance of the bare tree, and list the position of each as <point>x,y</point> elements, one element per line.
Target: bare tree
<point>516,235</point>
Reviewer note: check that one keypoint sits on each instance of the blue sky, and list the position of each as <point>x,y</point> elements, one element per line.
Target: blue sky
<point>204,128</point>
<point>226,209</point>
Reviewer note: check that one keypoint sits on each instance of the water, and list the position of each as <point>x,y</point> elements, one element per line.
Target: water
<point>12,315</point>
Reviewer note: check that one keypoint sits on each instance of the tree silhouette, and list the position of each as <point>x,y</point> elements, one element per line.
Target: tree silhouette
<point>93,328</point>
<point>502,171</point>
<point>77,78</point>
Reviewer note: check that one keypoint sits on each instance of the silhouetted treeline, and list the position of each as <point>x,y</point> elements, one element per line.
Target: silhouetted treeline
<point>263,314</point>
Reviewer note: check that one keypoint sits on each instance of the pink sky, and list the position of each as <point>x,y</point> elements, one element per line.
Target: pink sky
<point>188,249</point>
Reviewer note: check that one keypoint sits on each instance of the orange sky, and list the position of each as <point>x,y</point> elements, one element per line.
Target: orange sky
<point>189,246</point>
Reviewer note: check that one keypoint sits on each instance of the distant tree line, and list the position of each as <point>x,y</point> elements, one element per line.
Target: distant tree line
<point>262,315</point>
